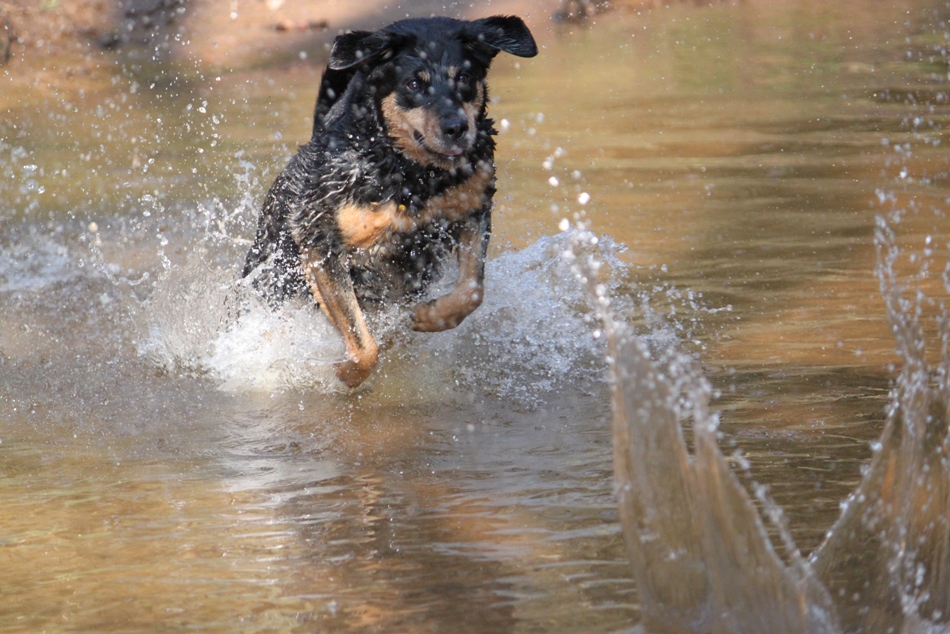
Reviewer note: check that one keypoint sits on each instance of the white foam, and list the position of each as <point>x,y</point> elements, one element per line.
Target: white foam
<point>264,349</point>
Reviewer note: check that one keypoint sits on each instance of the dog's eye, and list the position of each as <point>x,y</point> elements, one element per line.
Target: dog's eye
<point>415,84</point>
<point>463,79</point>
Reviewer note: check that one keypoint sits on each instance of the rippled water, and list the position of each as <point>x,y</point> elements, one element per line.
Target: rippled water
<point>165,465</point>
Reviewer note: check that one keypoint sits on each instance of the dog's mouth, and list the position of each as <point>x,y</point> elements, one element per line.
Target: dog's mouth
<point>452,152</point>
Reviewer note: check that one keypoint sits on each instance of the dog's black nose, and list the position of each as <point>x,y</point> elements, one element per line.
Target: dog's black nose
<point>454,128</point>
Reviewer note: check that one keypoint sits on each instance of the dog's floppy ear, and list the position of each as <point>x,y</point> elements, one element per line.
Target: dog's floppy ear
<point>506,33</point>
<point>349,51</point>
<point>357,47</point>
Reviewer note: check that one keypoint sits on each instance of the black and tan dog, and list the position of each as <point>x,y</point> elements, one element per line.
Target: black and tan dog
<point>398,175</point>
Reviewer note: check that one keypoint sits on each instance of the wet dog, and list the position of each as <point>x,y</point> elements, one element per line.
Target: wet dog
<point>397,177</point>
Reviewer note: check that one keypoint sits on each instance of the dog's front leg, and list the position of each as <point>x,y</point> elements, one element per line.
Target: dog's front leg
<point>332,288</point>
<point>449,310</point>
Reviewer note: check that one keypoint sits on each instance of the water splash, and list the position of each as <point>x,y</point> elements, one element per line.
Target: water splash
<point>896,526</point>
<point>535,330</point>
<point>699,550</point>
<point>36,261</point>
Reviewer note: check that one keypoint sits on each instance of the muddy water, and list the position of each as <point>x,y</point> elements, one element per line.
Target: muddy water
<point>168,464</point>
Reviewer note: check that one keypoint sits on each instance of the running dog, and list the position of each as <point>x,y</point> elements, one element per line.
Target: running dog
<point>398,174</point>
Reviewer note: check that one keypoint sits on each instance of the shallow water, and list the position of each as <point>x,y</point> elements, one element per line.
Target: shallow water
<point>164,465</point>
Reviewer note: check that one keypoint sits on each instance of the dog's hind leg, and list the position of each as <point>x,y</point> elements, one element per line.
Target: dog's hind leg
<point>332,288</point>
<point>449,310</point>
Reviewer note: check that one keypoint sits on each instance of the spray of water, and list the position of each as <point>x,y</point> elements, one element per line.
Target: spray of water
<point>533,331</point>
<point>896,526</point>
<point>699,550</point>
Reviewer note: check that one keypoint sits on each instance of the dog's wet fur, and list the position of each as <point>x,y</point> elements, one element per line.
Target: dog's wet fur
<point>398,176</point>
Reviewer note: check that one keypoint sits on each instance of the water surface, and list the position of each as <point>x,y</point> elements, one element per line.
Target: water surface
<point>164,467</point>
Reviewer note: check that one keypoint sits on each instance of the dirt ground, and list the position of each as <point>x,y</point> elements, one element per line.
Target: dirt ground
<point>69,47</point>
<point>213,33</point>
<point>46,25</point>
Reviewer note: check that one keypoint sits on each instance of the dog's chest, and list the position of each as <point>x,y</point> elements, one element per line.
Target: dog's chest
<point>365,226</point>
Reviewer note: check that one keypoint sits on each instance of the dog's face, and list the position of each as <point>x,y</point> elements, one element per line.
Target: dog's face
<point>438,94</point>
<point>429,76</point>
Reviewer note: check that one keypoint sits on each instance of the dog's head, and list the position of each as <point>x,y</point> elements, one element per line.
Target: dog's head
<point>429,78</point>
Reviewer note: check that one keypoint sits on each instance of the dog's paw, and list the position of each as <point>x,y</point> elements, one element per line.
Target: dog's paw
<point>427,318</point>
<point>444,313</point>
<point>351,374</point>
<point>357,368</point>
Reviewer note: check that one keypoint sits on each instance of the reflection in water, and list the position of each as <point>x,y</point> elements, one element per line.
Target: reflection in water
<point>701,556</point>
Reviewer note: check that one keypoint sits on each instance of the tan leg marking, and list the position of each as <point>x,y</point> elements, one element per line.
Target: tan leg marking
<point>334,293</point>
<point>450,310</point>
